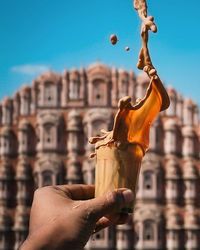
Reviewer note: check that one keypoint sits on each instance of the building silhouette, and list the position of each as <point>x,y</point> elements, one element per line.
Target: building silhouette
<point>44,131</point>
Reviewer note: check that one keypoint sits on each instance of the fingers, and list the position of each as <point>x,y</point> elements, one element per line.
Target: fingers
<point>111,202</point>
<point>116,219</point>
<point>78,191</point>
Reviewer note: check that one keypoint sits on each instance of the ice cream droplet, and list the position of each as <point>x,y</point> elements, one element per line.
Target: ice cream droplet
<point>113,39</point>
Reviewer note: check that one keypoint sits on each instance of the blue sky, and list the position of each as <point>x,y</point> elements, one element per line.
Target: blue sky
<point>42,34</point>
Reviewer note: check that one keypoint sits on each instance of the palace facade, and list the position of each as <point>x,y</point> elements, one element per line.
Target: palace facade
<point>44,131</point>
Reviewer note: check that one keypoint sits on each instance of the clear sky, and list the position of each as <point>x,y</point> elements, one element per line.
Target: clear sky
<point>42,34</point>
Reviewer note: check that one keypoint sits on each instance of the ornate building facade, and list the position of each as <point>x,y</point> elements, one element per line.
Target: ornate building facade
<point>44,131</point>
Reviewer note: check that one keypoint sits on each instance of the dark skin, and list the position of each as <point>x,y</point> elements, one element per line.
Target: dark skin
<point>64,217</point>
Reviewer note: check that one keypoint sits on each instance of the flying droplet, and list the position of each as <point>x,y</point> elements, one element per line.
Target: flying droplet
<point>127,48</point>
<point>113,39</point>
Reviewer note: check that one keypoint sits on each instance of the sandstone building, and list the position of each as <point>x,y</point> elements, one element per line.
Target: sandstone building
<point>44,131</point>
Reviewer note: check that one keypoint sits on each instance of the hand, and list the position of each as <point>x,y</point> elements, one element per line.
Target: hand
<point>64,217</point>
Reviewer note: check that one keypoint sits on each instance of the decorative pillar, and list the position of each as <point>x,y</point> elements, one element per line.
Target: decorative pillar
<point>23,137</point>
<point>172,182</point>
<point>114,91</point>
<point>5,229</point>
<point>7,111</point>
<point>188,112</point>
<point>190,178</point>
<point>25,99</point>
<point>83,86</point>
<point>174,228</point>
<point>21,225</point>
<point>131,90</point>
<point>179,107</point>
<point>196,115</point>
<point>74,131</point>
<point>16,107</point>
<point>188,142</point>
<point>5,182</point>
<point>23,179</point>
<point>170,141</point>
<point>192,229</point>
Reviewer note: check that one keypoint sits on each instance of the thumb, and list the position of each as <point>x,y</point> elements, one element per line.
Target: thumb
<point>111,202</point>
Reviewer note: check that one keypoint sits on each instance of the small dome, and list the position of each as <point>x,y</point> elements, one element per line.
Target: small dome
<point>7,101</point>
<point>122,71</point>
<point>74,74</point>
<point>190,171</point>
<point>16,95</point>
<point>25,89</point>
<point>170,124</point>
<point>188,102</point>
<point>74,71</point>
<point>49,76</point>
<point>99,69</point>
<point>171,91</point>
<point>114,70</point>
<point>179,97</point>
<point>172,170</point>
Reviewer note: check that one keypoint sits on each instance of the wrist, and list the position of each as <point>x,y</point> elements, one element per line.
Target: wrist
<point>33,243</point>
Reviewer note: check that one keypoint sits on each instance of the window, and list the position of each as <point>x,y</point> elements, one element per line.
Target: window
<point>74,89</point>
<point>99,235</point>
<point>97,91</point>
<point>48,133</point>
<point>36,181</point>
<point>148,180</point>
<point>46,178</point>
<point>148,230</point>
<point>98,95</point>
<point>123,88</point>
<point>49,93</point>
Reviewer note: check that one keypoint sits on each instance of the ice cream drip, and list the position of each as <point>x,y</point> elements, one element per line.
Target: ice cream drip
<point>119,152</point>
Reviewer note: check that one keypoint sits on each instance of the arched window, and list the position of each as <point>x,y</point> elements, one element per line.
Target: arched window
<point>148,180</point>
<point>49,93</point>
<point>46,178</point>
<point>148,230</point>
<point>123,90</point>
<point>100,235</point>
<point>97,125</point>
<point>48,133</point>
<point>98,93</point>
<point>74,89</point>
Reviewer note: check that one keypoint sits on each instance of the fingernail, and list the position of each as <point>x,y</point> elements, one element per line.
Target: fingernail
<point>128,196</point>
